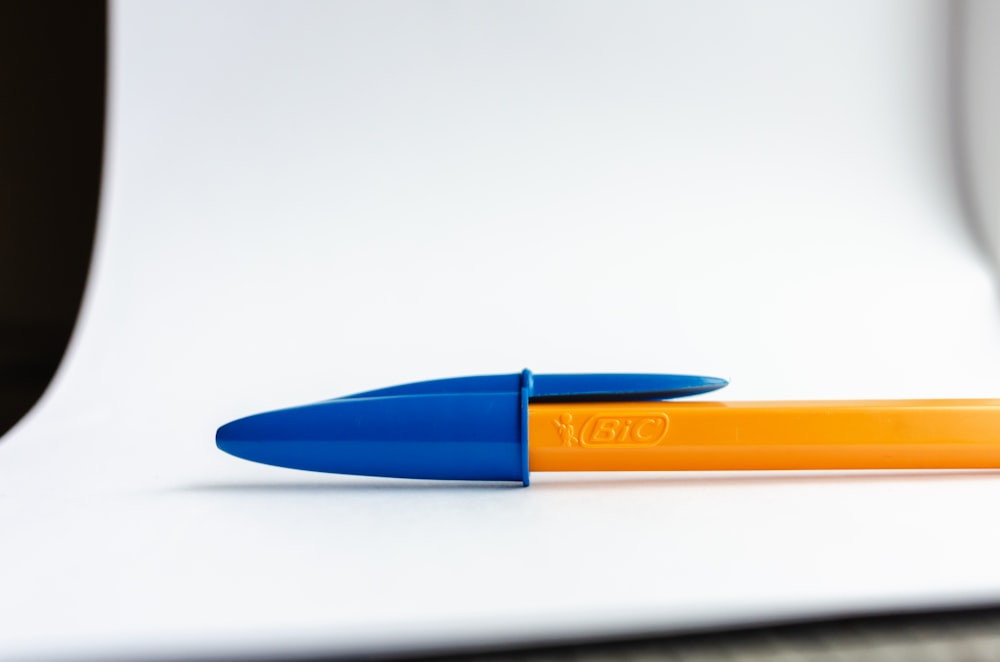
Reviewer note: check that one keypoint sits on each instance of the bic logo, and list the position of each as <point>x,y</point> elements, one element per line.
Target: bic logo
<point>629,429</point>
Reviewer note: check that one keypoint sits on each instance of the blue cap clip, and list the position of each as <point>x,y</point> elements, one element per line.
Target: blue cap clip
<point>464,428</point>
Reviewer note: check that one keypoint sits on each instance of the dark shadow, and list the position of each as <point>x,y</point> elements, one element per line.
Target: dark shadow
<point>749,478</point>
<point>958,138</point>
<point>958,634</point>
<point>589,482</point>
<point>336,484</point>
<point>52,86</point>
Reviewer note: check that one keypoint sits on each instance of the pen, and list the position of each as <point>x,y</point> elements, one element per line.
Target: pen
<point>502,427</point>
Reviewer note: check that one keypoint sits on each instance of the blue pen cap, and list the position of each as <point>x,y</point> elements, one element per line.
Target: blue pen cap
<point>465,428</point>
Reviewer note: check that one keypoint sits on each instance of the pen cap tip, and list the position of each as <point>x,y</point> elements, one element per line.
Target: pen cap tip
<point>465,436</point>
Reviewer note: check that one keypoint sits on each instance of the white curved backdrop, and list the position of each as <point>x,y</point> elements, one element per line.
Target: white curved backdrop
<point>303,200</point>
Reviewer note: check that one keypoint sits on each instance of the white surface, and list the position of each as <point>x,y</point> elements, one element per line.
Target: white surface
<point>304,200</point>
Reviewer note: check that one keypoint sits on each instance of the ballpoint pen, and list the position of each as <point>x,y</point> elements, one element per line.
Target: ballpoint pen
<point>502,427</point>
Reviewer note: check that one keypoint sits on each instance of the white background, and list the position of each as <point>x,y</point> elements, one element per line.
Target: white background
<point>303,200</point>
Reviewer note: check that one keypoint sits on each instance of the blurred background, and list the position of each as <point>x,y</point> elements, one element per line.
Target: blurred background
<point>208,209</point>
<point>52,72</point>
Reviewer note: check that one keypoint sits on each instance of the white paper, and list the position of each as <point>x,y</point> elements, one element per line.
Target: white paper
<point>303,200</point>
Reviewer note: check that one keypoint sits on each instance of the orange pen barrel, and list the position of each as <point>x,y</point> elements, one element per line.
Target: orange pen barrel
<point>725,436</point>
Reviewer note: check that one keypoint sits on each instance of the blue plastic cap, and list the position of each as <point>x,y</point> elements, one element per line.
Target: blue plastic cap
<point>465,428</point>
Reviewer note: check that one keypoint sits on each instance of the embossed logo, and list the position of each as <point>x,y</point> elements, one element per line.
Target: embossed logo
<point>629,429</point>
<point>567,431</point>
